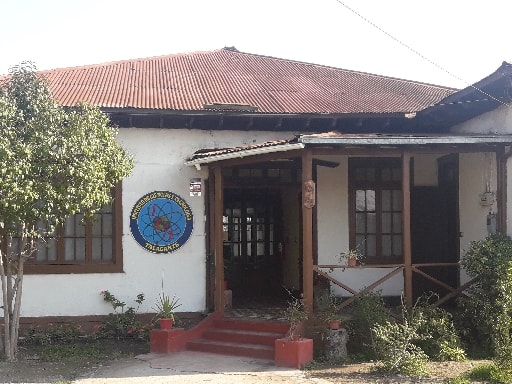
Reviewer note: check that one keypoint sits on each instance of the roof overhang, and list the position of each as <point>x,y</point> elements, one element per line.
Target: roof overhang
<point>484,96</point>
<point>213,156</point>
<point>397,140</point>
<point>340,140</point>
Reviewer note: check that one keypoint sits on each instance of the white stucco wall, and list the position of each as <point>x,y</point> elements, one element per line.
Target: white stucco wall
<point>476,170</point>
<point>498,121</point>
<point>159,156</point>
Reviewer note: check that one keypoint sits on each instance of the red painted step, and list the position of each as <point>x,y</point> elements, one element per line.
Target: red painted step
<point>241,337</point>
<point>252,324</point>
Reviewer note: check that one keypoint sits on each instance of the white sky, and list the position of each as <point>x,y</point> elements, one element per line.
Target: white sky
<point>468,38</point>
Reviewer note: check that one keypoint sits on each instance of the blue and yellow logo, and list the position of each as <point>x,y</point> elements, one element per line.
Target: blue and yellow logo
<point>161,221</point>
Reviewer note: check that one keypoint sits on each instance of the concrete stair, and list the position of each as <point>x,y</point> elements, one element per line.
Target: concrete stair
<point>240,337</point>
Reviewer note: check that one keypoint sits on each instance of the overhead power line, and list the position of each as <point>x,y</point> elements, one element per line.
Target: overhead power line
<point>416,52</point>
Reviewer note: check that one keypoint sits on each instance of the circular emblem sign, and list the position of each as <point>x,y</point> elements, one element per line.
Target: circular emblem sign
<point>161,221</point>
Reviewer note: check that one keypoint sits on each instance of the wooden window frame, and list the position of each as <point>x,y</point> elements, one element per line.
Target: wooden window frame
<point>378,186</point>
<point>88,265</point>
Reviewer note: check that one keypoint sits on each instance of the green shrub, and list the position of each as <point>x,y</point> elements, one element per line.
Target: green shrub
<point>368,311</point>
<point>423,332</point>
<point>441,341</point>
<point>122,323</point>
<point>487,309</point>
<point>396,345</point>
<point>54,333</point>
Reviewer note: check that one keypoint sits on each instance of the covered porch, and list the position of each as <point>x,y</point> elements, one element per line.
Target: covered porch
<point>388,219</point>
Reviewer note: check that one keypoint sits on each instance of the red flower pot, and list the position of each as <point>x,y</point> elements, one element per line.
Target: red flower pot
<point>293,353</point>
<point>166,323</point>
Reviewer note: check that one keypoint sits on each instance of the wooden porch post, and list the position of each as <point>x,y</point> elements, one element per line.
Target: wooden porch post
<point>406,208</point>
<point>308,202</point>
<point>219,246</point>
<point>501,193</point>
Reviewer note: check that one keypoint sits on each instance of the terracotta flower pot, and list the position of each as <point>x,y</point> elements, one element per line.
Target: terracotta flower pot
<point>166,323</point>
<point>352,262</point>
<point>291,353</point>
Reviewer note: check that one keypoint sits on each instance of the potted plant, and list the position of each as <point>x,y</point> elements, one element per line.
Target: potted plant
<point>329,308</point>
<point>351,258</point>
<point>295,314</point>
<point>294,350</point>
<point>165,308</point>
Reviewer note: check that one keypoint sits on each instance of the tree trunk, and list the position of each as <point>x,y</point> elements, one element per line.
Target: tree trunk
<point>11,275</point>
<point>7,321</point>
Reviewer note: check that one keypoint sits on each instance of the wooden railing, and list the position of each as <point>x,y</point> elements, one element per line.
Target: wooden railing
<point>395,269</point>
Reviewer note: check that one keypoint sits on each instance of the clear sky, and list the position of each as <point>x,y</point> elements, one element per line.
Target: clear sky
<point>468,38</point>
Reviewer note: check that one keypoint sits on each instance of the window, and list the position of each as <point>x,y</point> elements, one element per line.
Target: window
<point>376,209</point>
<point>78,247</point>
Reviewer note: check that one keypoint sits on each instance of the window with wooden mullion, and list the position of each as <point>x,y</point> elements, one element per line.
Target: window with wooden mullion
<point>83,247</point>
<point>376,209</point>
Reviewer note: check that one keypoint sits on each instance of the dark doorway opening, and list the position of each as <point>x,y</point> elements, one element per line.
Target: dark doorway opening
<point>435,229</point>
<point>252,230</point>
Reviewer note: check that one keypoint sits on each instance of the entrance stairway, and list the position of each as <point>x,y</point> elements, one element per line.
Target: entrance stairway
<point>241,337</point>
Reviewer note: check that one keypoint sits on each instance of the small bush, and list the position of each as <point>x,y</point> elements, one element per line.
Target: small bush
<point>396,348</point>
<point>122,323</point>
<point>60,333</point>
<point>487,309</point>
<point>441,341</point>
<point>368,311</point>
<point>422,333</point>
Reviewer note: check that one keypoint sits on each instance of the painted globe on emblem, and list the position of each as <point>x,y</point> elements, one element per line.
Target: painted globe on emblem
<point>161,222</point>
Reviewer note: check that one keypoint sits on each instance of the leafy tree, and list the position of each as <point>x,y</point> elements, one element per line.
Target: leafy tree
<point>54,162</point>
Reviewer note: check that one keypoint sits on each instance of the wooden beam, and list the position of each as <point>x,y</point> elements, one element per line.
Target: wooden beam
<point>379,151</point>
<point>433,279</point>
<point>336,281</point>
<point>457,292</point>
<point>501,193</point>
<point>406,212</point>
<point>307,232</point>
<point>219,246</point>
<point>255,159</point>
<point>211,241</point>
<point>371,287</point>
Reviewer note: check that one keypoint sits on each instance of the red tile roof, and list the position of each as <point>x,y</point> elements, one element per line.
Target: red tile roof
<point>191,81</point>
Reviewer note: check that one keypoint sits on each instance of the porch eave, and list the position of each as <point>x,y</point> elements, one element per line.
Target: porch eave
<point>388,140</point>
<point>205,159</point>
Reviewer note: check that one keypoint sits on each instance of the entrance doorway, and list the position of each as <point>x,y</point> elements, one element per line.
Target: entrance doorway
<point>252,238</point>
<point>435,228</point>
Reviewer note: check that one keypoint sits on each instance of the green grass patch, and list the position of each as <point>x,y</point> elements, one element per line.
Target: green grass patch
<point>72,351</point>
<point>488,373</point>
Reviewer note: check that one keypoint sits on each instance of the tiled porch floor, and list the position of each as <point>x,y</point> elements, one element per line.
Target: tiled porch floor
<point>258,308</point>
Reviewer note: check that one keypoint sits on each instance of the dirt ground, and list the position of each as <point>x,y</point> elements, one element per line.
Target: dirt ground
<point>363,373</point>
<point>31,368</point>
